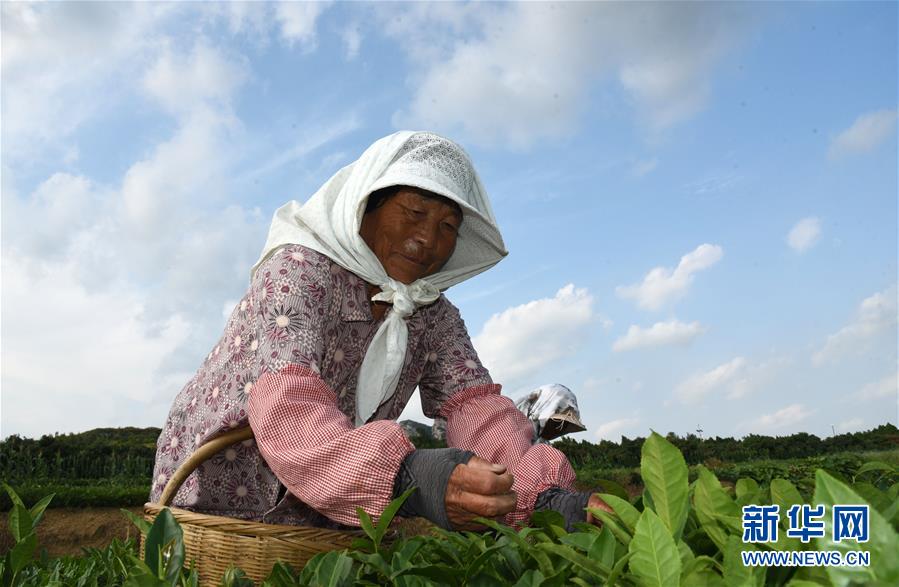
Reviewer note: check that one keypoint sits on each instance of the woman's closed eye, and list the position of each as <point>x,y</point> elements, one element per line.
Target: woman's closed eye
<point>418,213</point>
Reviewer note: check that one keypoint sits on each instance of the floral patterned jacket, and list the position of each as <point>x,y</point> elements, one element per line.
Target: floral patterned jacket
<point>287,365</point>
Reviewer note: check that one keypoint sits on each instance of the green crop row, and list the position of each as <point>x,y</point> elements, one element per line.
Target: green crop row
<point>799,472</point>
<point>82,493</point>
<point>677,532</point>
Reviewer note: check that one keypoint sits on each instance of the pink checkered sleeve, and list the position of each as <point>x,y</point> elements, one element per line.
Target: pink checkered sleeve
<point>312,447</point>
<point>481,420</point>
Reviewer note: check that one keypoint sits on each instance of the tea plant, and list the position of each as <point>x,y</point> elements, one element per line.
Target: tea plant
<point>678,532</point>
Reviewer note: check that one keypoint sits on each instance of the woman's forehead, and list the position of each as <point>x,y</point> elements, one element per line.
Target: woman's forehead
<point>410,191</point>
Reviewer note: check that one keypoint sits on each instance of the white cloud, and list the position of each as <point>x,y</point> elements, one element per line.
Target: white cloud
<point>851,425</point>
<point>714,183</point>
<point>297,20</point>
<point>875,317</point>
<point>613,430</point>
<point>352,40</point>
<point>884,388</point>
<point>522,339</point>
<point>730,375</point>
<point>203,78</point>
<point>50,219</point>
<point>786,417</point>
<point>517,73</point>
<point>58,57</point>
<point>313,137</point>
<point>804,235</point>
<point>644,167</point>
<point>101,343</point>
<point>252,18</point>
<point>130,273</point>
<point>663,285</point>
<point>867,132</point>
<point>179,174</point>
<point>672,332</point>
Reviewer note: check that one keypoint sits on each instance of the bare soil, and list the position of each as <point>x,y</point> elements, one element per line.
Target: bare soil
<point>65,531</point>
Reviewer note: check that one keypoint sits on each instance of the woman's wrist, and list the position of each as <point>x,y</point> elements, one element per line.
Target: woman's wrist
<point>428,470</point>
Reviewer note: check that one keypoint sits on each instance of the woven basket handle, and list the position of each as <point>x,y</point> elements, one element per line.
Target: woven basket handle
<point>199,457</point>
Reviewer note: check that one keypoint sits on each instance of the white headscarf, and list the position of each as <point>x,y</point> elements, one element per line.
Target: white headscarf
<point>329,223</point>
<point>551,402</point>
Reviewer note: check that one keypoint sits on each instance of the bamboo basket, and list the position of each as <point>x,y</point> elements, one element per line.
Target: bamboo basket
<point>214,543</point>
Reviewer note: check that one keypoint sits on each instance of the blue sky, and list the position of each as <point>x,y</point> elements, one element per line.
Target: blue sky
<point>699,200</point>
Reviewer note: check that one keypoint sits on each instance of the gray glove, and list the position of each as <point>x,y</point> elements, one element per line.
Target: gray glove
<point>570,504</point>
<point>429,470</point>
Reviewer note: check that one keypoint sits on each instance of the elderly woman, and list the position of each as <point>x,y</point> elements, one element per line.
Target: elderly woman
<point>343,319</point>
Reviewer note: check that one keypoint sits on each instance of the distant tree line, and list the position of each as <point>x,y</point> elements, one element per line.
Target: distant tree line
<point>128,453</point>
<point>607,454</point>
<point>104,453</point>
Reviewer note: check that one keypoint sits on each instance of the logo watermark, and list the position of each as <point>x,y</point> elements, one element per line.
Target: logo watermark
<point>849,522</point>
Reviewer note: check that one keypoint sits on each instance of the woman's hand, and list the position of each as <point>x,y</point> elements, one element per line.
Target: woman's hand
<point>479,489</point>
<point>597,502</point>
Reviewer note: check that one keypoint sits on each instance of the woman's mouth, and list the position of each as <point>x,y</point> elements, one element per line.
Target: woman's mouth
<point>413,260</point>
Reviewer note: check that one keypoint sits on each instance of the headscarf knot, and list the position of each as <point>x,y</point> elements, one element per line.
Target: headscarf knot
<point>406,298</point>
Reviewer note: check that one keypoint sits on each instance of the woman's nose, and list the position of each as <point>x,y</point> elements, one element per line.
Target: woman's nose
<point>426,233</point>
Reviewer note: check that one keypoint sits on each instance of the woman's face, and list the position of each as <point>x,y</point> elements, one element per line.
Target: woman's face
<point>413,233</point>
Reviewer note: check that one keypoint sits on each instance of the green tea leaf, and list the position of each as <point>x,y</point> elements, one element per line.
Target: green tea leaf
<point>368,526</point>
<point>735,573</point>
<point>608,521</point>
<point>280,575</point>
<point>142,525</point>
<point>874,496</point>
<point>389,513</point>
<point>405,551</point>
<point>701,571</point>
<point>784,494</point>
<point>611,487</point>
<point>654,557</point>
<point>530,578</point>
<point>703,577</point>
<point>617,570</point>
<point>140,575</point>
<point>551,522</point>
<point>475,566</point>
<point>686,556</point>
<point>874,466</point>
<point>440,573</point>
<point>716,511</point>
<point>746,487</point>
<point>20,522</point>
<point>235,577</point>
<point>603,550</point>
<point>664,473</point>
<point>623,509</point>
<point>22,552</point>
<point>883,542</point>
<point>13,496</point>
<point>164,551</point>
<point>596,568</point>
<point>37,510</point>
<point>334,569</point>
<point>580,540</point>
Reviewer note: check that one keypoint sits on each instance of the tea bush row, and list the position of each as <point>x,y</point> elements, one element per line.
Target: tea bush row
<point>677,532</point>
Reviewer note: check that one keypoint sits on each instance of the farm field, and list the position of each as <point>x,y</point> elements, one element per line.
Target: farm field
<point>65,530</point>
<point>695,506</point>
